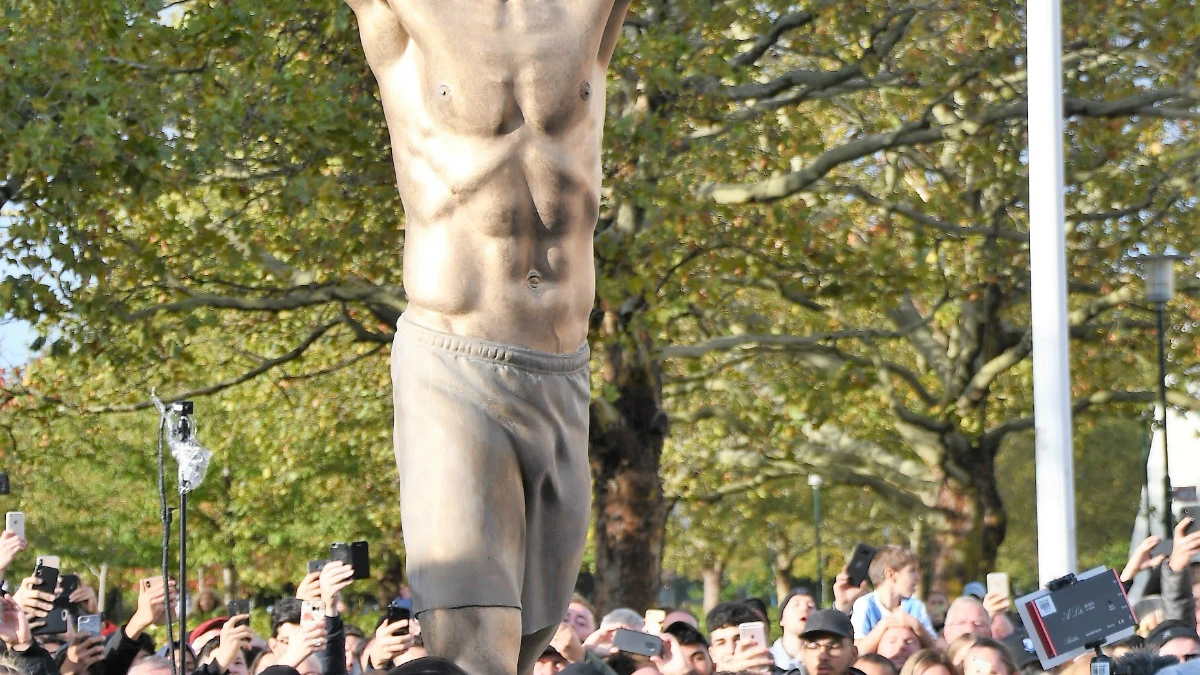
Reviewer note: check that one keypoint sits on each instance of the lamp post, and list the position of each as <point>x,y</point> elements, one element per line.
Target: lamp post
<point>1160,288</point>
<point>815,481</point>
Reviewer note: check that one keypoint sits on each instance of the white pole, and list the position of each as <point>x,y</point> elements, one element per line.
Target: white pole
<point>1048,256</point>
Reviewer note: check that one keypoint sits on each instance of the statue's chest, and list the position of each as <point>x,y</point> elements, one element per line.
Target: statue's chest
<point>499,68</point>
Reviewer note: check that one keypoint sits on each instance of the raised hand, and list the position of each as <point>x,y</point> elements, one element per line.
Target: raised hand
<point>303,643</point>
<point>1140,559</point>
<point>566,642</point>
<point>334,577</point>
<point>152,606</point>
<point>82,652</point>
<point>310,588</point>
<point>600,643</point>
<point>1186,546</point>
<point>36,604</point>
<point>10,545</point>
<point>235,636</point>
<point>749,656</point>
<point>845,593</point>
<point>14,627</point>
<point>85,597</point>
<point>389,643</point>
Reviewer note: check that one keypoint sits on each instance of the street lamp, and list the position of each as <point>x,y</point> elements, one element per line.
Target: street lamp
<point>815,481</point>
<point>1160,288</point>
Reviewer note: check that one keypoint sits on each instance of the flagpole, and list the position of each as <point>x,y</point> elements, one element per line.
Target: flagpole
<point>1047,244</point>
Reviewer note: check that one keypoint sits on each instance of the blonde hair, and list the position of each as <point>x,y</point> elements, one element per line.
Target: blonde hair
<point>957,650</point>
<point>926,659</point>
<point>890,557</point>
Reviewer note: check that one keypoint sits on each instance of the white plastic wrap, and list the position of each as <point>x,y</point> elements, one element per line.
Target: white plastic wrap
<point>188,453</point>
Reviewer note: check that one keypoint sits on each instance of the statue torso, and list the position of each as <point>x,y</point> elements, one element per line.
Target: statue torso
<point>496,113</point>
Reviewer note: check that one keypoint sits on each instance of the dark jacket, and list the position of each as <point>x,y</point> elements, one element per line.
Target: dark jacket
<point>1177,594</point>
<point>35,660</point>
<point>333,657</point>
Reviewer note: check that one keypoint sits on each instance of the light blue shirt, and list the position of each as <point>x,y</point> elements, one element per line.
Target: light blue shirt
<point>868,611</point>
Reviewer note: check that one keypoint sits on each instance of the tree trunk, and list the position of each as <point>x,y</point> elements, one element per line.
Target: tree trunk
<point>782,568</point>
<point>969,523</point>
<point>626,443</point>
<point>230,580</point>
<point>714,578</point>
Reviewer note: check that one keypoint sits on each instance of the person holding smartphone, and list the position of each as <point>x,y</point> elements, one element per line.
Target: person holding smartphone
<point>11,544</point>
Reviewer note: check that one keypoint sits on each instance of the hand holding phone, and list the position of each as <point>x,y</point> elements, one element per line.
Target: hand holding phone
<point>238,608</point>
<point>753,632</point>
<point>397,611</point>
<point>355,554</point>
<point>312,611</point>
<point>860,564</point>
<point>14,521</point>
<point>634,642</point>
<point>88,623</point>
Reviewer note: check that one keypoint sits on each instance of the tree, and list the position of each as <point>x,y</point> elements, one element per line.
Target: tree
<point>813,229</point>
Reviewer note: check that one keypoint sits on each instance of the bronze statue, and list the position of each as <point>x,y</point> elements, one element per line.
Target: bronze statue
<point>496,113</point>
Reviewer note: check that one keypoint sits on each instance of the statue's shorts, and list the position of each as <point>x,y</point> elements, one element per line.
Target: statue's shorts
<point>495,489</point>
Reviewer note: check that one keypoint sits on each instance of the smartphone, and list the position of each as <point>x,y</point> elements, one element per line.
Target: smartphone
<point>316,565</point>
<point>70,584</point>
<point>238,607</point>
<point>997,582</point>
<point>860,564</point>
<point>355,554</point>
<point>3,482</point>
<point>753,631</point>
<point>88,623</point>
<point>312,611</point>
<point>654,621</point>
<point>1192,512</point>
<point>49,561</point>
<point>56,621</point>
<point>397,611</point>
<point>156,583</point>
<point>47,579</point>
<point>633,642</point>
<point>15,521</point>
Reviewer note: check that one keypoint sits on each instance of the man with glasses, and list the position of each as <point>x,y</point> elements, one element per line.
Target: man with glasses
<point>827,644</point>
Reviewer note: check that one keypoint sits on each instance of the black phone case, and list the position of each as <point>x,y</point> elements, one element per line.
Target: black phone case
<point>395,614</point>
<point>860,564</point>
<point>356,554</point>
<point>238,607</point>
<point>70,584</point>
<point>47,579</point>
<point>1192,512</point>
<point>633,642</point>
<point>55,621</point>
<point>316,565</point>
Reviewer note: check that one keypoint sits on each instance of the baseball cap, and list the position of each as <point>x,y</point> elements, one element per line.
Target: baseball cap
<point>1167,631</point>
<point>828,622</point>
<point>975,590</point>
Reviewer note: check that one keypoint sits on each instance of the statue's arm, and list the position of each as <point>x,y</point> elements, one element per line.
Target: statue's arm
<point>383,36</point>
<point>612,31</point>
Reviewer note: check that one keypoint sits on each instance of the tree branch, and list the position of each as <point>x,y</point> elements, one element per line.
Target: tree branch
<point>1083,404</point>
<point>261,368</point>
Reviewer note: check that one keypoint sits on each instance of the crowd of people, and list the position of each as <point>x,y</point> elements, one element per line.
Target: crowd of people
<point>875,628</point>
